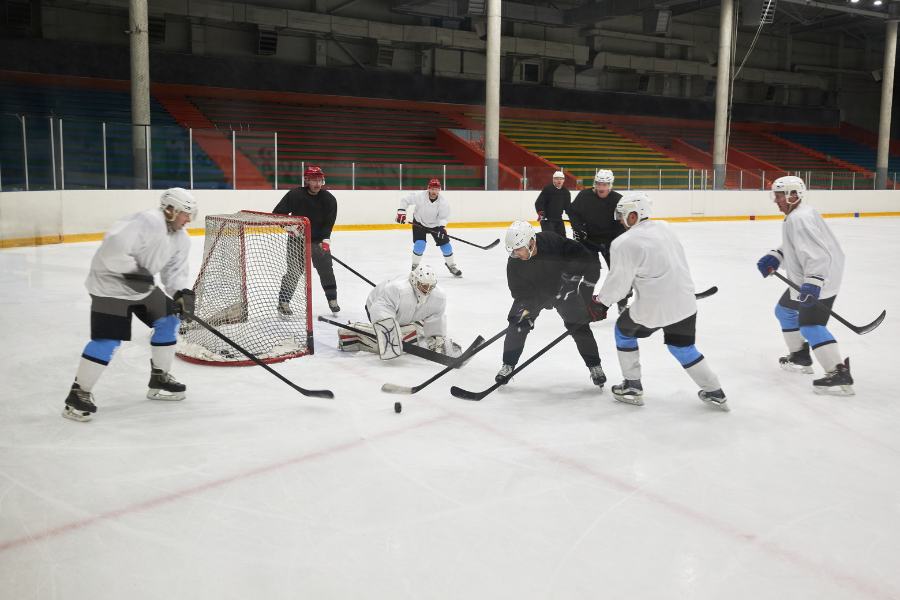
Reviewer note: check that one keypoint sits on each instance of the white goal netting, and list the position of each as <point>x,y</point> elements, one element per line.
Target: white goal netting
<point>253,263</point>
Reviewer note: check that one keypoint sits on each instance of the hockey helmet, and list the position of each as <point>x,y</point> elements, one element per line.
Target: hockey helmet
<point>180,199</point>
<point>604,176</point>
<point>787,185</point>
<point>423,280</point>
<point>434,183</point>
<point>313,173</point>
<point>638,202</point>
<point>559,174</point>
<point>519,235</point>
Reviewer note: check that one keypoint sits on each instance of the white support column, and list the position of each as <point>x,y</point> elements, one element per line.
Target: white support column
<point>140,89</point>
<point>723,84</point>
<point>492,98</point>
<point>887,98</point>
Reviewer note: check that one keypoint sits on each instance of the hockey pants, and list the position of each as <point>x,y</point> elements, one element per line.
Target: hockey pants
<point>514,343</point>
<point>321,260</point>
<point>556,226</point>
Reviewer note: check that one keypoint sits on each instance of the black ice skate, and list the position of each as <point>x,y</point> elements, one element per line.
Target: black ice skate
<point>629,391</point>
<point>333,305</point>
<point>716,398</point>
<point>284,309</point>
<point>163,386</point>
<point>797,362</point>
<point>503,376</point>
<point>79,404</point>
<point>598,377</point>
<point>839,378</point>
<point>455,270</point>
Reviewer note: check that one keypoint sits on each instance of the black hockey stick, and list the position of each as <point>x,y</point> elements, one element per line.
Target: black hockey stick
<point>343,264</point>
<point>408,347</point>
<point>212,330</point>
<point>860,330</point>
<point>430,230</point>
<point>707,293</point>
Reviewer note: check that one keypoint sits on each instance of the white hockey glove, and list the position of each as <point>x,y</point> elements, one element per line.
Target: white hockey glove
<point>439,344</point>
<point>390,340</point>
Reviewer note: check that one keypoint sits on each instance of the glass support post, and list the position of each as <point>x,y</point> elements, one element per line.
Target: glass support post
<point>741,179</point>
<point>276,160</point>
<point>445,177</point>
<point>25,153</point>
<point>147,145</point>
<point>302,173</point>
<point>191,154</point>
<point>485,177</point>
<point>353,176</point>
<point>234,159</point>
<point>659,186</point>
<point>401,177</point>
<point>105,175</point>
<point>53,152</point>
<point>62,158</point>
<point>629,178</point>
<point>525,178</point>
<point>853,181</point>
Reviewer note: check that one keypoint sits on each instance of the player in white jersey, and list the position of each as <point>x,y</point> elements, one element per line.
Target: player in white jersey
<point>649,258</point>
<point>401,309</point>
<point>121,284</point>
<point>813,260</point>
<point>431,216</point>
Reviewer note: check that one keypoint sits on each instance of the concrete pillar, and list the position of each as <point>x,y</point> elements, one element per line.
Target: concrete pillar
<point>723,85</point>
<point>492,96</point>
<point>140,89</point>
<point>887,98</point>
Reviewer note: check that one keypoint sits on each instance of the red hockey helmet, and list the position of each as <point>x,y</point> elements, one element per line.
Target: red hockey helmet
<point>434,183</point>
<point>312,172</point>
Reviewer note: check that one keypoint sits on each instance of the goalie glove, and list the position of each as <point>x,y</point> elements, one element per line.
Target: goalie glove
<point>184,303</point>
<point>389,336</point>
<point>401,216</point>
<point>439,344</point>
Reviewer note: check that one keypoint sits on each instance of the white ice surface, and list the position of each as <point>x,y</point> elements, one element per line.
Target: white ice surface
<point>545,489</point>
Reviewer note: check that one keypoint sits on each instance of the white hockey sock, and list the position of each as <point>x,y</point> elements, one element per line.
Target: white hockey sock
<point>89,373</point>
<point>451,262</point>
<point>162,357</point>
<point>630,362</point>
<point>704,377</point>
<point>417,258</point>
<point>829,356</point>
<point>793,339</point>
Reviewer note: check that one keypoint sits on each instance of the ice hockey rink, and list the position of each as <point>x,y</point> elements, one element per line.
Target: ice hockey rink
<point>544,489</point>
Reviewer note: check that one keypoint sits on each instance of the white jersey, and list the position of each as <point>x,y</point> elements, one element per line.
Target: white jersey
<point>811,250</point>
<point>140,243</point>
<point>428,213</point>
<point>650,258</point>
<point>395,298</point>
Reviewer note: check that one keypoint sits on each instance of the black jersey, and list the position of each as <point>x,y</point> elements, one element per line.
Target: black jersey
<point>535,281</point>
<point>320,209</point>
<point>596,216</point>
<point>553,201</point>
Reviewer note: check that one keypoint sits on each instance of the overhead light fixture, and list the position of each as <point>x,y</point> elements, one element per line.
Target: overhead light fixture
<point>877,3</point>
<point>854,1</point>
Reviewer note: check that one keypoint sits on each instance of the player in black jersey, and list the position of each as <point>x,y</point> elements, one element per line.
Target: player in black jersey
<point>550,204</point>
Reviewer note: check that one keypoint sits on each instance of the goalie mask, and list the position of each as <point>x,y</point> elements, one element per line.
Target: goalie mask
<point>181,200</point>
<point>519,235</point>
<point>423,281</point>
<point>789,185</point>
<point>639,203</point>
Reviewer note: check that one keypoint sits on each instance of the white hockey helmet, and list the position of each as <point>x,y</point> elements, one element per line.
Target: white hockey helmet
<point>787,185</point>
<point>559,174</point>
<point>639,203</point>
<point>423,280</point>
<point>180,199</point>
<point>519,235</point>
<point>604,176</point>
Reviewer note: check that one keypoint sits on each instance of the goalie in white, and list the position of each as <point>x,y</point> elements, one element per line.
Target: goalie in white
<point>405,308</point>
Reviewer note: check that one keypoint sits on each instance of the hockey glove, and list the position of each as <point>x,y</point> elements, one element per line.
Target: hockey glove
<point>596,309</point>
<point>184,303</point>
<point>522,320</point>
<point>542,216</point>
<point>401,216</point>
<point>579,236</point>
<point>568,287</point>
<point>326,245</point>
<point>140,283</point>
<point>809,291</point>
<point>770,261</point>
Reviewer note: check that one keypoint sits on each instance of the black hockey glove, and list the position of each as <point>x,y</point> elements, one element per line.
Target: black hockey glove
<point>568,287</point>
<point>579,236</point>
<point>141,283</point>
<point>184,303</point>
<point>522,320</point>
<point>595,309</point>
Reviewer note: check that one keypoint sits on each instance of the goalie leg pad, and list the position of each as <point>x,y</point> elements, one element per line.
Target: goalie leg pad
<point>350,341</point>
<point>387,332</point>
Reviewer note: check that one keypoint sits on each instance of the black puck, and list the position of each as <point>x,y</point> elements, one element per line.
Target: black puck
<point>397,407</point>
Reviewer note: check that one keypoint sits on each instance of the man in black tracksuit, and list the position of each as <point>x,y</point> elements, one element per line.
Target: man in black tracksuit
<point>547,270</point>
<point>550,204</point>
<point>320,207</point>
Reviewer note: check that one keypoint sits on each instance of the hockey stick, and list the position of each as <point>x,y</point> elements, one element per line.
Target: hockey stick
<point>343,264</point>
<point>860,330</point>
<point>707,293</point>
<point>408,347</point>
<point>429,230</point>
<point>305,392</point>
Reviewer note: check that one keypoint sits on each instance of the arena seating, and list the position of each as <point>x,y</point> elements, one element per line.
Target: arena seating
<point>840,147</point>
<point>336,138</point>
<point>83,111</point>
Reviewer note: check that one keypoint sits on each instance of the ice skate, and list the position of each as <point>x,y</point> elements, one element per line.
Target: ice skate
<point>629,391</point>
<point>164,387</point>
<point>502,376</point>
<point>455,270</point>
<point>839,378</point>
<point>598,377</point>
<point>334,306</point>
<point>716,398</point>
<point>284,309</point>
<point>797,362</point>
<point>79,405</point>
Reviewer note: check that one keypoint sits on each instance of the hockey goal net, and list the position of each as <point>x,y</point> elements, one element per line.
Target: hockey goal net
<point>252,262</point>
